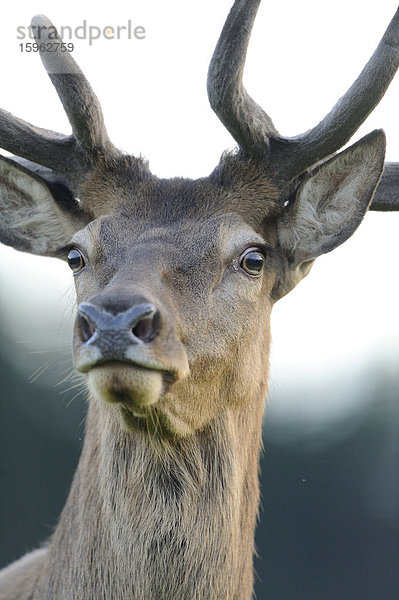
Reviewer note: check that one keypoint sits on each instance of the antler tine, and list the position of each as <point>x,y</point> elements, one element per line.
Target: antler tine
<point>249,125</point>
<point>40,145</point>
<point>386,196</point>
<point>76,94</point>
<point>70,155</point>
<point>348,114</point>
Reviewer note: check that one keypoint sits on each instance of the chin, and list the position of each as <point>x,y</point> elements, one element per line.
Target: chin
<point>141,398</point>
<point>133,389</point>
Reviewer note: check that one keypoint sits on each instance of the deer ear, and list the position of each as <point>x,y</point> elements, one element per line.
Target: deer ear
<point>35,216</point>
<point>332,201</point>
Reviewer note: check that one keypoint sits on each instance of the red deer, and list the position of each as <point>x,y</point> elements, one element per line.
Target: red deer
<point>175,281</point>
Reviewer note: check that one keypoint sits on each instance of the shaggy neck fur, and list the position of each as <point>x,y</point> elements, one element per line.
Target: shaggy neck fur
<point>153,520</point>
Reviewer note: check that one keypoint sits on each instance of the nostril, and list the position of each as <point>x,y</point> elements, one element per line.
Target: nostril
<point>147,327</point>
<point>95,325</point>
<point>86,328</point>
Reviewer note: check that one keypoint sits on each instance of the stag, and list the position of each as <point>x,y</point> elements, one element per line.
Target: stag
<point>175,282</point>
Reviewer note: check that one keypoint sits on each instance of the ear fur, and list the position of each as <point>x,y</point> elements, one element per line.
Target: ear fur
<point>32,218</point>
<point>332,201</point>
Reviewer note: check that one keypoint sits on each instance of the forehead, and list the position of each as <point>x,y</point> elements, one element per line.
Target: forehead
<point>127,187</point>
<point>119,234</point>
<point>136,209</point>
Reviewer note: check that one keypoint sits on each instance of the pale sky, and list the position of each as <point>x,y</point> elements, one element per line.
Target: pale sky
<point>303,56</point>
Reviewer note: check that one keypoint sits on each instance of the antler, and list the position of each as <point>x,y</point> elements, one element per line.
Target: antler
<point>253,129</point>
<point>386,196</point>
<point>247,122</point>
<point>69,155</point>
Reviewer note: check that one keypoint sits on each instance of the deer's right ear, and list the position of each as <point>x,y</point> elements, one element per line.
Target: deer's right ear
<point>333,199</point>
<point>329,206</point>
<point>37,216</point>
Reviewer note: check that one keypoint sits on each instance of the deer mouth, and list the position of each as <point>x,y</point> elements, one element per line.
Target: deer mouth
<point>134,387</point>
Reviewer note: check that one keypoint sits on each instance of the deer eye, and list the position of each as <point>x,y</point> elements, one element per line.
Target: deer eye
<point>75,260</point>
<point>252,261</point>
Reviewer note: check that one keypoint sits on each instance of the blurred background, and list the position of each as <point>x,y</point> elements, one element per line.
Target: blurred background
<point>329,522</point>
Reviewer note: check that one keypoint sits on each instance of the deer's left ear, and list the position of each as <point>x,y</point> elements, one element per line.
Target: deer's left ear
<point>332,201</point>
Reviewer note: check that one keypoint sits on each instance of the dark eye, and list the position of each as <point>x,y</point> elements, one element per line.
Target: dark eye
<point>76,260</point>
<point>252,261</point>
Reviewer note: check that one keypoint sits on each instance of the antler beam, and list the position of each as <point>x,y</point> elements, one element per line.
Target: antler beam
<point>253,129</point>
<point>386,196</point>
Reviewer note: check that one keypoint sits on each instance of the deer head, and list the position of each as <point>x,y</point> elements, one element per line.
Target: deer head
<point>175,279</point>
<point>175,282</point>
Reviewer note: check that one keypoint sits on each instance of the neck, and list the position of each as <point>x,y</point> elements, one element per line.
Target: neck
<point>148,519</point>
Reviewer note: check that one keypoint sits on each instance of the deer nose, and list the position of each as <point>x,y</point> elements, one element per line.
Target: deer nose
<point>130,329</point>
<point>96,325</point>
<point>103,335</point>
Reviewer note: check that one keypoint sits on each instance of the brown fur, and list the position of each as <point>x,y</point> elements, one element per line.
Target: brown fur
<point>164,501</point>
<point>159,511</point>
